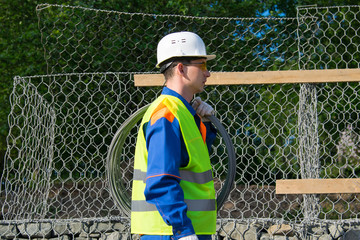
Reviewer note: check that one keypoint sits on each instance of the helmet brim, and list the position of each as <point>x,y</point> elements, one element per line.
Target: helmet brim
<point>208,57</point>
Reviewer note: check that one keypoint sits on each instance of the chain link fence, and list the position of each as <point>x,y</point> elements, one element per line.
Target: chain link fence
<point>62,124</point>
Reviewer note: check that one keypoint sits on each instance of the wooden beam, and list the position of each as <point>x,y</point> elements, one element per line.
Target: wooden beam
<point>318,186</point>
<point>264,77</point>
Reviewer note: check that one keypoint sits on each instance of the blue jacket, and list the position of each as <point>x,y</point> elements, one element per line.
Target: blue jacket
<point>166,154</point>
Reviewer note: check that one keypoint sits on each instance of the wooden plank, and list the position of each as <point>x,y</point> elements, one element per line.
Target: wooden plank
<point>264,77</point>
<point>318,186</point>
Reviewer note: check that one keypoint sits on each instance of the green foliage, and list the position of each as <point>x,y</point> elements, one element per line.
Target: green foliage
<point>22,53</point>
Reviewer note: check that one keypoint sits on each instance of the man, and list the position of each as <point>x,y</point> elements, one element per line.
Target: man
<point>173,194</point>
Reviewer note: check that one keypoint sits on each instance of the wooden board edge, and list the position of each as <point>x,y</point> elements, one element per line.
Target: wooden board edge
<point>263,77</point>
<point>318,186</point>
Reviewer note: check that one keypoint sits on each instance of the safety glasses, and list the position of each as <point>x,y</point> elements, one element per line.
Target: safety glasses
<point>202,65</point>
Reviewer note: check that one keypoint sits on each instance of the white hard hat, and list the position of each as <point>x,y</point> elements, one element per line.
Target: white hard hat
<point>181,44</point>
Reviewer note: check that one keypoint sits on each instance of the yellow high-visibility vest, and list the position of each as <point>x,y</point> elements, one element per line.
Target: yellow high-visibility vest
<point>196,178</point>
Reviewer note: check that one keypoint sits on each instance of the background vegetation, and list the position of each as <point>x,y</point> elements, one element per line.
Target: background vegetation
<point>21,52</point>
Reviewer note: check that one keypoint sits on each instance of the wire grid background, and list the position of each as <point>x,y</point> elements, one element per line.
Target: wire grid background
<point>62,124</point>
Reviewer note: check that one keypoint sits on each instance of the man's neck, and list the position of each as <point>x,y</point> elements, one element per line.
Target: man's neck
<point>187,95</point>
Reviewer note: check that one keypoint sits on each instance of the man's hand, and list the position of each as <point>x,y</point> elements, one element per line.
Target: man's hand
<point>190,237</point>
<point>202,108</point>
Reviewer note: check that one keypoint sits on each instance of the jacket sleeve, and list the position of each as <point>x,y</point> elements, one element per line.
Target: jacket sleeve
<point>163,179</point>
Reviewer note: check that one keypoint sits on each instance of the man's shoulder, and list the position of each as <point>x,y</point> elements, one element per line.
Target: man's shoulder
<point>161,111</point>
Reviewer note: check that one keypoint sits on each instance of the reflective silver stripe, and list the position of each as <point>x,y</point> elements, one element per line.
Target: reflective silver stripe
<point>139,175</point>
<point>201,204</point>
<point>142,206</point>
<point>192,204</point>
<point>200,178</point>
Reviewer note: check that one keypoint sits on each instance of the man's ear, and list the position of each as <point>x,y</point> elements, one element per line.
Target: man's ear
<point>180,69</point>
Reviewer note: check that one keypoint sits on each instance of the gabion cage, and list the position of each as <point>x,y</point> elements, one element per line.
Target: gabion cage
<point>61,124</point>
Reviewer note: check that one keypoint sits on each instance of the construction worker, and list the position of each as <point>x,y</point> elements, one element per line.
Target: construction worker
<point>173,195</point>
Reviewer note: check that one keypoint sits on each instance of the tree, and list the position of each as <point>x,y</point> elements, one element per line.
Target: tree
<point>21,51</point>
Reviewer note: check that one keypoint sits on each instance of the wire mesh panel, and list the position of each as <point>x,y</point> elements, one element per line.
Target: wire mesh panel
<point>329,37</point>
<point>280,131</point>
<point>86,111</point>
<point>86,40</point>
<point>30,152</point>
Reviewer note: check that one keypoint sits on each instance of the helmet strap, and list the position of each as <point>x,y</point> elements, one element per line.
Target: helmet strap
<point>165,66</point>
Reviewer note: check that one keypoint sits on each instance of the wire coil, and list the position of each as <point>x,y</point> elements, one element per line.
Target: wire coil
<point>121,196</point>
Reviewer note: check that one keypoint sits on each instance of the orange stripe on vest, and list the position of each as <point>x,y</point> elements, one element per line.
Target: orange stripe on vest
<point>203,131</point>
<point>161,112</point>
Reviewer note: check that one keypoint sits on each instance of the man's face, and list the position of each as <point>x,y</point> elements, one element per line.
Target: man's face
<point>197,74</point>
